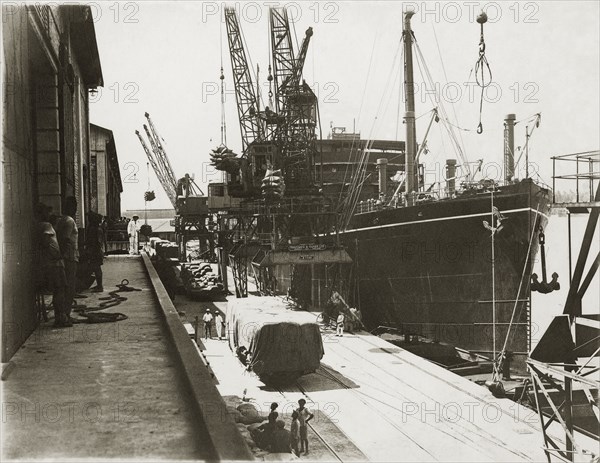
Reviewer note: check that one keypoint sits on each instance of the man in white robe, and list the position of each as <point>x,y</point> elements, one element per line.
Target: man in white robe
<point>133,231</point>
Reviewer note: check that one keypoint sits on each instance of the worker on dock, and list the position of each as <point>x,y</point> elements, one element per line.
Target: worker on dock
<point>280,439</point>
<point>304,416</point>
<point>94,244</point>
<point>207,319</point>
<point>219,324</point>
<point>104,227</point>
<point>50,268</point>
<point>274,406</point>
<point>262,435</point>
<point>340,324</point>
<point>133,233</point>
<point>68,240</point>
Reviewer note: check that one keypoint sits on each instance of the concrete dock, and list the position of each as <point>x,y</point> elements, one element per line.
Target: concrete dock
<point>113,390</point>
<point>378,402</point>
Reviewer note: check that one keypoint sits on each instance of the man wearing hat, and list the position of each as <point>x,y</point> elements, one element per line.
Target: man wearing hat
<point>207,319</point>
<point>132,231</point>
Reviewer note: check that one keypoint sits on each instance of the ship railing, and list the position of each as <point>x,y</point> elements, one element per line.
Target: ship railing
<point>582,170</point>
<point>289,205</point>
<point>399,201</point>
<point>262,238</point>
<point>431,194</point>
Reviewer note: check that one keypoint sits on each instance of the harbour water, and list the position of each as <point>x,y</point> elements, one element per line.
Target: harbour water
<point>546,306</point>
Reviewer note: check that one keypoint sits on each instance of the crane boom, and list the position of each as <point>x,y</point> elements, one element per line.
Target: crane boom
<point>162,170</point>
<point>147,151</point>
<point>282,53</point>
<point>162,153</point>
<point>251,125</point>
<point>156,168</point>
<point>294,80</point>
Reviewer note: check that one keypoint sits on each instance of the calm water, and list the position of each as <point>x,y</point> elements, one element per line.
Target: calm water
<point>546,306</point>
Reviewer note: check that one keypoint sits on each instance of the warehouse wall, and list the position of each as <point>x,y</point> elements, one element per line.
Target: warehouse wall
<point>18,165</point>
<point>44,145</point>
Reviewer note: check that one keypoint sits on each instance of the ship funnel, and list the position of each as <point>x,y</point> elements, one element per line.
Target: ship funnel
<point>509,147</point>
<point>451,176</point>
<point>382,167</point>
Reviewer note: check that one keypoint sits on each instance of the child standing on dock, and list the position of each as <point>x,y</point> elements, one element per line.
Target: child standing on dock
<point>294,434</point>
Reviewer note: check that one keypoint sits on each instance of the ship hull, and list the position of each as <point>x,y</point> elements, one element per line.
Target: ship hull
<point>427,269</point>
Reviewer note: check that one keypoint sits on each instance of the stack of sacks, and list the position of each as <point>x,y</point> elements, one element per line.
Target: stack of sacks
<point>200,277</point>
<point>167,250</point>
<point>272,185</point>
<point>222,158</point>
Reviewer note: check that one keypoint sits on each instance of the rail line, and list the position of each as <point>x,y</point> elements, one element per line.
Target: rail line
<point>317,433</point>
<point>331,377</point>
<point>482,433</point>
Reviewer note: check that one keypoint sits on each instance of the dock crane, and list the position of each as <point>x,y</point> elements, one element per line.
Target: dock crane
<point>157,170</point>
<point>187,198</point>
<point>296,103</point>
<point>251,127</point>
<point>283,136</point>
<point>278,148</point>
<point>176,190</point>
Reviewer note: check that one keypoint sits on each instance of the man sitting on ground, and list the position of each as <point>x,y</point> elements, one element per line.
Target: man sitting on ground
<point>264,433</point>
<point>280,439</point>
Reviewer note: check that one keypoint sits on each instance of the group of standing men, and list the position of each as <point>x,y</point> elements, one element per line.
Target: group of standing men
<point>207,318</point>
<point>58,256</point>
<point>58,253</point>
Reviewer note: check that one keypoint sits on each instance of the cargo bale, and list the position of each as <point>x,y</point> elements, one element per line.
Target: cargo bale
<point>280,341</point>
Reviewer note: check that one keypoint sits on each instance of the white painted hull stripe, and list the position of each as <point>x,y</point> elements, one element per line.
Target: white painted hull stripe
<point>439,219</point>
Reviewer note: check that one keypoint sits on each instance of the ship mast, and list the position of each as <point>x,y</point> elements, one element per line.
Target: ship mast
<point>409,115</point>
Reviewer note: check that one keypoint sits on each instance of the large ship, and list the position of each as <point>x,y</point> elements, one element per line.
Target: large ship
<point>453,264</point>
<point>427,268</point>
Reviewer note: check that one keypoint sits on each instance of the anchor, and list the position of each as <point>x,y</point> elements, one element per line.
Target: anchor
<point>544,286</point>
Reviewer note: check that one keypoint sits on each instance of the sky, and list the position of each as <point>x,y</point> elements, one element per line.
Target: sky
<point>165,57</point>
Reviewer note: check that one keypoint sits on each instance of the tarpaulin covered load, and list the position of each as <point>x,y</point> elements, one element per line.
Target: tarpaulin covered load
<point>278,339</point>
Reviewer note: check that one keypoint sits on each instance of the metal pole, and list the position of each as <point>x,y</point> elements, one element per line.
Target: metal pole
<point>409,118</point>
<point>591,179</point>
<point>146,202</point>
<point>357,275</point>
<point>570,251</point>
<point>568,408</point>
<point>577,179</point>
<point>553,180</point>
<point>312,285</point>
<point>223,264</point>
<point>493,283</point>
<point>527,152</point>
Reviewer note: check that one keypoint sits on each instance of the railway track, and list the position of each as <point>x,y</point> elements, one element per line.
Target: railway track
<point>321,438</point>
<point>456,428</point>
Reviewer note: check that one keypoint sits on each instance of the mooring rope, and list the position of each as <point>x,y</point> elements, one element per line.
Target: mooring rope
<point>112,300</point>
